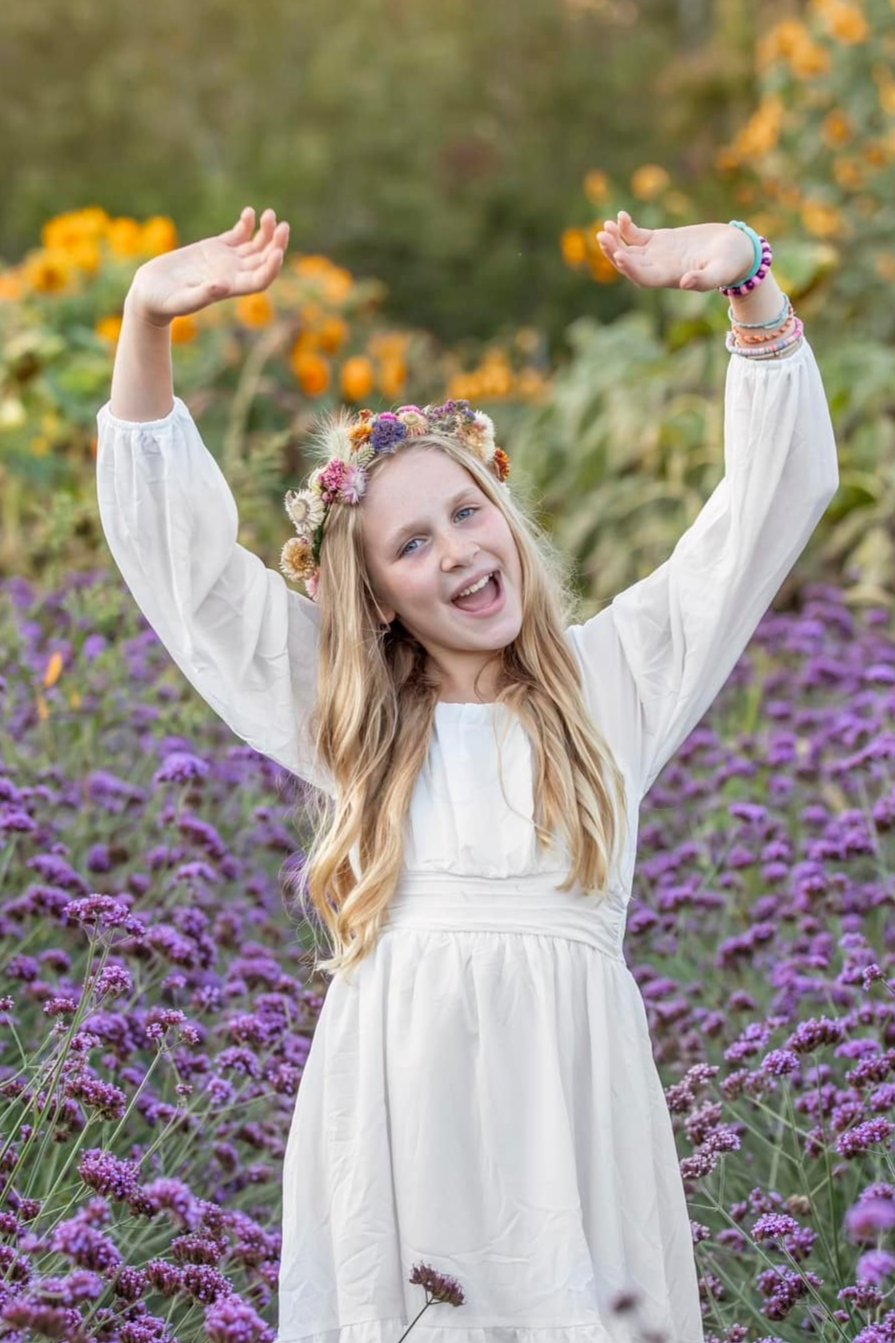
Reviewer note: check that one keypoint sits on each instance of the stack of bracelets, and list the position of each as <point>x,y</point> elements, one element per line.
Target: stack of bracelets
<point>760,340</point>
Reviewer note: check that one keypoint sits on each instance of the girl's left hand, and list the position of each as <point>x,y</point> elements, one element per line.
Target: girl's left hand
<point>697,256</point>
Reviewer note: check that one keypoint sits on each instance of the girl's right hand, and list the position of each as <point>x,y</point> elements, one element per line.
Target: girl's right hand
<point>181,282</point>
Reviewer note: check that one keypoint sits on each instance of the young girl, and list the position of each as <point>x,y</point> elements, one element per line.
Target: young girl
<point>480,1094</point>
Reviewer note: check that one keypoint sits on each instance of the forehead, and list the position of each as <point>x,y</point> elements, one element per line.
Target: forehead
<point>410,487</point>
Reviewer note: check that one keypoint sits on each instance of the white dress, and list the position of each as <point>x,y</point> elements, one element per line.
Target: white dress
<point>483,1097</point>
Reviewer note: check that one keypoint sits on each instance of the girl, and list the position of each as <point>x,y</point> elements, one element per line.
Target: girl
<point>480,1093</point>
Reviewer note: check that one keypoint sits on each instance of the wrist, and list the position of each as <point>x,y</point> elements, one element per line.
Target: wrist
<point>136,307</point>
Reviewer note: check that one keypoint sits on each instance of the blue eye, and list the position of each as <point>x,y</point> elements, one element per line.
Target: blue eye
<point>467,508</point>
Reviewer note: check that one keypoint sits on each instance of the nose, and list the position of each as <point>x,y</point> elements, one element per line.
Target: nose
<point>452,558</point>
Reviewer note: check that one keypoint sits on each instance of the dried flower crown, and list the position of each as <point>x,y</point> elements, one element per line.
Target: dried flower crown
<point>351,443</point>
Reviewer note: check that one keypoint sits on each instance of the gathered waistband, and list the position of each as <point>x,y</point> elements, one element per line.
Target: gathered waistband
<point>447,901</point>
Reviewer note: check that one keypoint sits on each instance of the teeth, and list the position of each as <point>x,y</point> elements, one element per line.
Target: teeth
<point>475,587</point>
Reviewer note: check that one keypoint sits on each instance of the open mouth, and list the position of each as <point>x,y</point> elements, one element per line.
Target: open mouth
<point>486,601</point>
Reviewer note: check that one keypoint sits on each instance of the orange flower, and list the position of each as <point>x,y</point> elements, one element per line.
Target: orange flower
<point>108,328</point>
<point>357,378</point>
<point>159,234</point>
<point>392,377</point>
<point>255,310</point>
<point>86,255</point>
<point>649,181</point>
<point>337,284</point>
<point>125,237</point>
<point>54,670</point>
<point>311,370</point>
<point>574,247</point>
<point>333,334</point>
<point>596,186</point>
<point>359,433</point>
<point>501,463</point>
<point>184,329</point>
<point>10,285</point>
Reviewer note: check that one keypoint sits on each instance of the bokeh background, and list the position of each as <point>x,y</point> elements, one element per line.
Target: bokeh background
<point>444,169</point>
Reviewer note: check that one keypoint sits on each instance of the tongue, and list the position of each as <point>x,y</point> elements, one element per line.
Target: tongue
<point>477,601</point>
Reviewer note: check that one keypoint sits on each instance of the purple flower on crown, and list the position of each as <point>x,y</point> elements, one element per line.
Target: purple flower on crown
<point>387,432</point>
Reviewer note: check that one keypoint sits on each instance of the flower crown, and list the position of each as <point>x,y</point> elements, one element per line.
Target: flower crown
<point>351,443</point>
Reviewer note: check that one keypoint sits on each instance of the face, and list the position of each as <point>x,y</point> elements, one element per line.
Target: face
<point>429,531</point>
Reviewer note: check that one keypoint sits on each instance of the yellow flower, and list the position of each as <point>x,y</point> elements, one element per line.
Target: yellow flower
<point>845,22</point>
<point>783,39</point>
<point>357,378</point>
<point>837,128</point>
<point>596,187</point>
<point>86,255</point>
<point>876,154</point>
<point>809,60</point>
<point>54,670</point>
<point>762,131</point>
<point>824,221</point>
<point>108,328</point>
<point>74,227</point>
<point>574,247</point>
<point>849,173</point>
<point>184,329</point>
<point>159,234</point>
<point>649,181</point>
<point>125,237</point>
<point>47,272</point>
<point>255,310</point>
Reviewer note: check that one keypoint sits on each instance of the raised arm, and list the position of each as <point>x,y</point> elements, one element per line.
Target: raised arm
<point>244,640</point>
<point>655,659</point>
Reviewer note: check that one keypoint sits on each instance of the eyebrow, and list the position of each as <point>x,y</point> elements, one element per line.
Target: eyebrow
<point>409,527</point>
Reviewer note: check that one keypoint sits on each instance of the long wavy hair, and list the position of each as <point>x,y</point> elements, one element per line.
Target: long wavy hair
<point>373,721</point>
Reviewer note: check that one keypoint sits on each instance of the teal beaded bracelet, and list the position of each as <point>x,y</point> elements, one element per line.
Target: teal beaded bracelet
<point>763,259</point>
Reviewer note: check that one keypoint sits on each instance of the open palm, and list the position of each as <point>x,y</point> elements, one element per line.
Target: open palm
<point>231,263</point>
<point>696,256</point>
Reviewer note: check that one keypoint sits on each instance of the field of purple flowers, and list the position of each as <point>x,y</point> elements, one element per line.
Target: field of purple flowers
<point>156,1007</point>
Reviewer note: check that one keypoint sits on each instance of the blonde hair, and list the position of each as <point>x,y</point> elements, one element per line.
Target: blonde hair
<point>374,715</point>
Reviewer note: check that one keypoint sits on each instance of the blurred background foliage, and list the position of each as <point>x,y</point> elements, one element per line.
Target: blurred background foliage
<point>444,170</point>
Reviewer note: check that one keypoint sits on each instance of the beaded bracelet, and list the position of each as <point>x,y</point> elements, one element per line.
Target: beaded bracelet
<point>764,257</point>
<point>771,350</point>
<point>753,339</point>
<point>764,326</point>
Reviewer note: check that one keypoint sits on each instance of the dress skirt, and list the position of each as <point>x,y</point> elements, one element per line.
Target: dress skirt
<point>483,1099</point>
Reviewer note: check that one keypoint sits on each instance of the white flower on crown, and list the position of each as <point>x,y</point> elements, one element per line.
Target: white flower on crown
<point>306,509</point>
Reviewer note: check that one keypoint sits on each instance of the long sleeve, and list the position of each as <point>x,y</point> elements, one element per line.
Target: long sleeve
<point>654,660</point>
<point>244,640</point>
